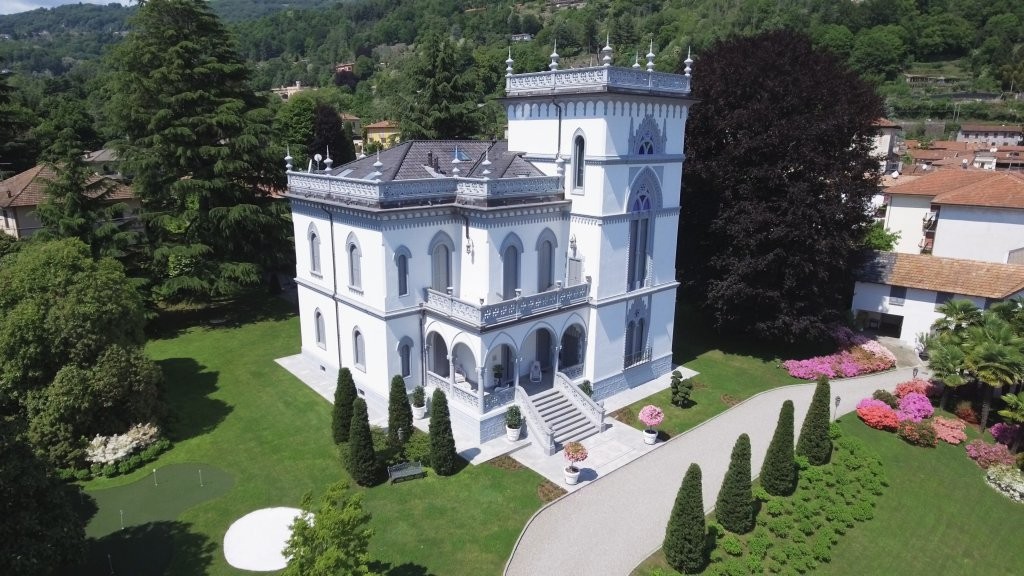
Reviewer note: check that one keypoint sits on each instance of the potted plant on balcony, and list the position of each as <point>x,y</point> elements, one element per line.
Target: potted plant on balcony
<point>651,416</point>
<point>513,423</point>
<point>574,454</point>
<point>499,371</point>
<point>419,403</point>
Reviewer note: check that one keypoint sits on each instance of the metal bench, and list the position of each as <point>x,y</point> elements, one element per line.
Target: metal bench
<point>406,471</point>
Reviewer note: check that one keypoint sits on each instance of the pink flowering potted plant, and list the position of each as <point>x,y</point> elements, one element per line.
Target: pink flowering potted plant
<point>574,454</point>
<point>651,416</point>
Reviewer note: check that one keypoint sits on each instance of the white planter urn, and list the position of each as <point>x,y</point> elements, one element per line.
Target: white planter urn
<point>419,412</point>
<point>572,475</point>
<point>650,436</point>
<point>513,434</point>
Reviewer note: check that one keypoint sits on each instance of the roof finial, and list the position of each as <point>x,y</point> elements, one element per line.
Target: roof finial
<point>636,60</point>
<point>688,62</point>
<point>607,51</point>
<point>327,160</point>
<point>288,158</point>
<point>378,163</point>
<point>554,58</point>
<point>650,57</point>
<point>508,63</point>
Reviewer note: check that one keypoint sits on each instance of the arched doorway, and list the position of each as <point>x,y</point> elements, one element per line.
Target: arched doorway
<point>465,365</point>
<point>572,354</point>
<point>437,355</point>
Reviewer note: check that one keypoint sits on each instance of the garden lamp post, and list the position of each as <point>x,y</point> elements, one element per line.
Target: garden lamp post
<point>836,414</point>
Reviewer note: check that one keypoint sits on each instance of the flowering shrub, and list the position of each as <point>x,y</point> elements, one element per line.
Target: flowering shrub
<point>1007,480</point>
<point>917,433</point>
<point>887,397</point>
<point>651,416</point>
<point>110,449</point>
<point>877,414</point>
<point>914,407</point>
<point>916,385</point>
<point>1004,433</point>
<point>987,455</point>
<point>949,430</point>
<point>965,411</point>
<point>574,454</point>
<point>857,355</point>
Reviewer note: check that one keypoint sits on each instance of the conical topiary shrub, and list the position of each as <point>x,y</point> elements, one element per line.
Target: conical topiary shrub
<point>399,413</point>
<point>443,456</point>
<point>362,460</point>
<point>685,536</point>
<point>734,508</point>
<point>344,394</point>
<point>814,442</point>
<point>779,472</point>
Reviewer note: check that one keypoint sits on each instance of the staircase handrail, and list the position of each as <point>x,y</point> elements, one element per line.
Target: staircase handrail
<point>592,410</point>
<point>545,436</point>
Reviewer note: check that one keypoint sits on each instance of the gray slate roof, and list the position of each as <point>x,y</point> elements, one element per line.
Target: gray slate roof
<point>876,267</point>
<point>421,159</point>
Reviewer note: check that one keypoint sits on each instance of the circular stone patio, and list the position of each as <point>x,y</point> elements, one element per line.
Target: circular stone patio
<point>256,541</point>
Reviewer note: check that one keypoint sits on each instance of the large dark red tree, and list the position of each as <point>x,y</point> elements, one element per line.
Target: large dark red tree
<point>777,178</point>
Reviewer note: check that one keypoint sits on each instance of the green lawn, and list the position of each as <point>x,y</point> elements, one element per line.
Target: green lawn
<point>234,408</point>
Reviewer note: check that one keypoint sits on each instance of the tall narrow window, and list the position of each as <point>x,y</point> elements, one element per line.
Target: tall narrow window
<point>358,349</point>
<point>320,329</point>
<point>578,148</point>
<point>314,251</point>
<point>639,239</point>
<point>402,263</point>
<point>510,272</point>
<point>442,268</point>
<point>545,266</point>
<point>404,354</point>
<point>354,266</point>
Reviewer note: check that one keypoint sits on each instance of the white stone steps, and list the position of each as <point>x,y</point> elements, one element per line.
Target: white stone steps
<point>566,421</point>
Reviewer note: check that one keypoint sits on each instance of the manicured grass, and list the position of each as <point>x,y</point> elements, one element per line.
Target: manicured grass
<point>938,516</point>
<point>234,408</point>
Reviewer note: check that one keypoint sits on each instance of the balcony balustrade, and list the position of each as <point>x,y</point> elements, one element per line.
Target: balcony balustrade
<point>509,310</point>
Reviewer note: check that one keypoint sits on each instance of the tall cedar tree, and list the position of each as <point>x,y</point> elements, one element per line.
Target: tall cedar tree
<point>197,140</point>
<point>779,471</point>
<point>362,460</point>
<point>399,412</point>
<point>445,105</point>
<point>768,234</point>
<point>734,508</point>
<point>685,536</point>
<point>330,134</point>
<point>344,395</point>
<point>443,456</point>
<point>814,442</point>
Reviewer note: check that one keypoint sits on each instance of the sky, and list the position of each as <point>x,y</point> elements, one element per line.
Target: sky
<point>13,6</point>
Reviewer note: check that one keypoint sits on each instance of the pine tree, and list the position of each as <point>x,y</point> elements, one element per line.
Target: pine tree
<point>686,532</point>
<point>445,106</point>
<point>735,506</point>
<point>399,413</point>
<point>344,395</point>
<point>443,456</point>
<point>779,472</point>
<point>362,460</point>
<point>814,442</point>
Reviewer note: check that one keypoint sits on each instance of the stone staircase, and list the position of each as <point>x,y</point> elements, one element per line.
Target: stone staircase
<point>566,421</point>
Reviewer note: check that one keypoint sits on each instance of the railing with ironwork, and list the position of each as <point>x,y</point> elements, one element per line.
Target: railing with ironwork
<point>592,410</point>
<point>535,425</point>
<point>637,358</point>
<point>512,309</point>
<point>439,381</point>
<point>599,78</point>
<point>572,372</point>
<point>457,392</point>
<point>499,397</point>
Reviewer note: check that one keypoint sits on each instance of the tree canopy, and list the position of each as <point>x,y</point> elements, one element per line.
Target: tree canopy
<point>777,181</point>
<point>332,538</point>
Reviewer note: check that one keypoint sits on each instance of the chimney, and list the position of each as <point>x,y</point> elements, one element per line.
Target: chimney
<point>430,159</point>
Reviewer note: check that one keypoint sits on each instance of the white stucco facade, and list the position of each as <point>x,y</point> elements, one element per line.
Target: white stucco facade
<point>906,215</point>
<point>440,265</point>
<point>979,233</point>
<point>915,312</point>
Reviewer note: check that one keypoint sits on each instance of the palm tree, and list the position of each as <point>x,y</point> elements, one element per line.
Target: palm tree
<point>1014,412</point>
<point>957,317</point>
<point>994,356</point>
<point>947,362</point>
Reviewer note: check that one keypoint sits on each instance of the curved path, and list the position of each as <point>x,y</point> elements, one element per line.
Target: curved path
<point>613,524</point>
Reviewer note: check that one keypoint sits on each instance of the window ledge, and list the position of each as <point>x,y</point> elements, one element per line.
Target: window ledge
<point>315,274</point>
<point>355,290</point>
<point>361,367</point>
<point>576,191</point>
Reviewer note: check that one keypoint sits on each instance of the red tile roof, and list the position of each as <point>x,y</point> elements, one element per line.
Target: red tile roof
<point>995,128</point>
<point>29,187</point>
<point>966,277</point>
<point>885,123</point>
<point>382,124</point>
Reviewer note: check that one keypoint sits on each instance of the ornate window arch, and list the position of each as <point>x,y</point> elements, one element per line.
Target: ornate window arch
<point>579,149</point>
<point>314,249</point>
<point>320,329</point>
<point>405,356</point>
<point>355,261</point>
<point>441,249</point>
<point>511,253</point>
<point>402,256</point>
<point>644,196</point>
<point>546,244</point>
<point>637,324</point>
<point>358,349</point>
<point>648,137</point>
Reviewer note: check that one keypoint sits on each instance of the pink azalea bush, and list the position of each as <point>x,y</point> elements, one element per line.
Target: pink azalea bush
<point>1004,433</point>
<point>857,355</point>
<point>949,430</point>
<point>651,416</point>
<point>917,385</point>
<point>574,454</point>
<point>986,454</point>
<point>877,414</point>
<point>914,407</point>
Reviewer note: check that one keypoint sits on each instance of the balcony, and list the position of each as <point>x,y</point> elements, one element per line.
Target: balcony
<point>598,79</point>
<point>485,315</point>
<point>636,358</point>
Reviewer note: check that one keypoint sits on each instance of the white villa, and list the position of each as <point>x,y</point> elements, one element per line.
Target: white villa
<point>506,271</point>
<point>961,236</point>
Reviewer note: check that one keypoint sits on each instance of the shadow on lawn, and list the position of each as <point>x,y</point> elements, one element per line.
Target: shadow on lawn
<point>147,550</point>
<point>187,390</point>
<point>407,569</point>
<point>257,307</point>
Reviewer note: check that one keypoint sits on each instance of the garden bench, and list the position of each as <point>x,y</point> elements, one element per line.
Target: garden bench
<point>406,471</point>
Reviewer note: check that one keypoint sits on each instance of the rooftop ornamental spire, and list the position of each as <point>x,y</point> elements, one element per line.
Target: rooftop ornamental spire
<point>688,62</point>
<point>607,51</point>
<point>327,161</point>
<point>650,58</point>
<point>554,58</point>
<point>508,63</point>
<point>288,158</point>
<point>636,61</point>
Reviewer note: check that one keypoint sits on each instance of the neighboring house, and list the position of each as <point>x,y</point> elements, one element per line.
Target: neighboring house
<point>991,134</point>
<point>887,145</point>
<point>973,214</point>
<point>505,271</point>
<point>286,92</point>
<point>898,294</point>
<point>354,123</point>
<point>383,133</point>
<point>22,193</point>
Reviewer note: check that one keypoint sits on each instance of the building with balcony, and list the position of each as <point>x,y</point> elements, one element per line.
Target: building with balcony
<point>506,271</point>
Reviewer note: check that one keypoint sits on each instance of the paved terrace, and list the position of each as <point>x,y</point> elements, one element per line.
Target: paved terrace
<point>609,527</point>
